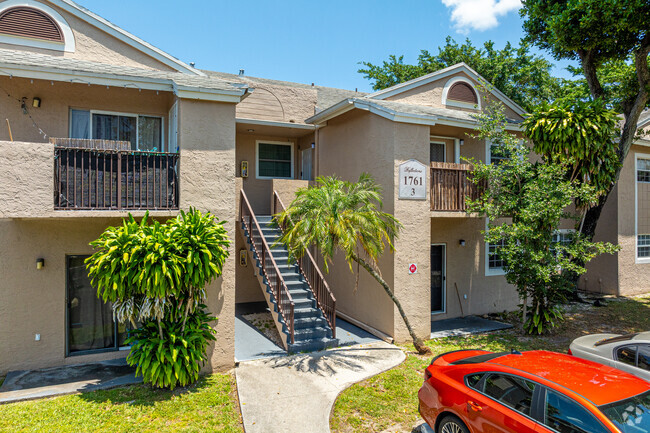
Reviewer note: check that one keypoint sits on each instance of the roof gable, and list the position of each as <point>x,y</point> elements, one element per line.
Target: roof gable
<point>441,74</point>
<point>124,36</point>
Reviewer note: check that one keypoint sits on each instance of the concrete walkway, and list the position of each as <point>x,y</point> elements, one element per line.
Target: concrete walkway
<point>296,393</point>
<point>49,382</point>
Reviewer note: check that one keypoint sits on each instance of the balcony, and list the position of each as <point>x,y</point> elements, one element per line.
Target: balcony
<point>108,175</point>
<point>450,186</point>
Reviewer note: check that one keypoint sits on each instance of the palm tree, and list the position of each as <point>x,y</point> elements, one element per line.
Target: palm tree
<point>346,216</point>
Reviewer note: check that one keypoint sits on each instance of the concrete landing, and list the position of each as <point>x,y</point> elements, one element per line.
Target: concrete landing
<point>251,344</point>
<point>465,326</point>
<point>305,386</point>
<point>32,384</point>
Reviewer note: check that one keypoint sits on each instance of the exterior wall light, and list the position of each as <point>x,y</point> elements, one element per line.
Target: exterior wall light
<point>462,141</point>
<point>40,263</point>
<point>36,103</point>
<point>461,242</point>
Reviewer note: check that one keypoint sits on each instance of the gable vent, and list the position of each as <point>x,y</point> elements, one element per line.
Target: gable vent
<point>462,92</point>
<point>30,23</point>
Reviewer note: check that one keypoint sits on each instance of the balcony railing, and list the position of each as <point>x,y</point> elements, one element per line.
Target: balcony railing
<point>450,186</point>
<point>106,179</point>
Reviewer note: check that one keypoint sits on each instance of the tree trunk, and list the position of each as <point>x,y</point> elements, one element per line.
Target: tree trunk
<point>417,342</point>
<point>160,333</point>
<point>187,310</point>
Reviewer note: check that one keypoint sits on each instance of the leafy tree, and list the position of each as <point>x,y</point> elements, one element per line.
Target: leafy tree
<point>525,202</point>
<point>611,41</point>
<point>522,76</point>
<point>344,216</point>
<point>156,274</point>
<point>579,135</point>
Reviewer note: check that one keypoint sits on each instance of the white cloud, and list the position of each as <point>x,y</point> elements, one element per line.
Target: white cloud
<point>479,15</point>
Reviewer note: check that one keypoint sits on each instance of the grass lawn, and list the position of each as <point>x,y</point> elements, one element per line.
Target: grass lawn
<point>208,406</point>
<point>388,402</point>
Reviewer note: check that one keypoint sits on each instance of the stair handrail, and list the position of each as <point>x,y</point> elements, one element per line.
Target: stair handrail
<point>315,280</point>
<point>280,289</point>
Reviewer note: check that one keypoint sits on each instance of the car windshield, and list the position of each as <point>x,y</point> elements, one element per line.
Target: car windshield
<point>631,415</point>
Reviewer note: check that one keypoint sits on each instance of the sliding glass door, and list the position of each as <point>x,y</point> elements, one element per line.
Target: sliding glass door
<point>90,324</point>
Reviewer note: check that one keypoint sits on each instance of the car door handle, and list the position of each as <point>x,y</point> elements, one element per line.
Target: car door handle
<point>473,406</point>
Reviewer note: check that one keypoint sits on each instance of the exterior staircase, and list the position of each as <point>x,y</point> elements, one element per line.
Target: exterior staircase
<point>301,322</point>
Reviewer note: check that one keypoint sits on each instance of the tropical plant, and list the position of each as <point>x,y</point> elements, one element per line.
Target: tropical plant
<point>175,359</point>
<point>156,274</point>
<point>610,39</point>
<point>345,216</point>
<point>525,203</point>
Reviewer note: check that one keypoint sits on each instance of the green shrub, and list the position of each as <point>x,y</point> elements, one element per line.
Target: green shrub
<point>176,359</point>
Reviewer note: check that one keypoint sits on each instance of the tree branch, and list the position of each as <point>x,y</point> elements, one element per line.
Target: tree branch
<point>590,70</point>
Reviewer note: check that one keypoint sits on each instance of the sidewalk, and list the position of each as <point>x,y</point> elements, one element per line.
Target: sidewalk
<point>296,393</point>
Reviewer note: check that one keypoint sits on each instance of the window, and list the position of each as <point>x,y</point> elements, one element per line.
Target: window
<point>495,262</point>
<point>473,380</point>
<point>643,246</point>
<point>462,92</point>
<point>562,237</point>
<point>643,357</point>
<point>566,416</point>
<point>143,132</point>
<point>631,415</point>
<point>514,392</point>
<point>626,355</point>
<point>437,152</point>
<point>496,153</point>
<point>643,170</point>
<point>274,160</point>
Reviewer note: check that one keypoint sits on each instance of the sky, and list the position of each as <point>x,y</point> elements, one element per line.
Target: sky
<point>308,41</point>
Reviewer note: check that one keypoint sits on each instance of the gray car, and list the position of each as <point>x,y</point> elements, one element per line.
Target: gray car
<point>629,352</point>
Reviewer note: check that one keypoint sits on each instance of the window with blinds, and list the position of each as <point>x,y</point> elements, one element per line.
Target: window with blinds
<point>275,160</point>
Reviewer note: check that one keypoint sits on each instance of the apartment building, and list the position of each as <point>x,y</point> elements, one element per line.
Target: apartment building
<point>100,124</point>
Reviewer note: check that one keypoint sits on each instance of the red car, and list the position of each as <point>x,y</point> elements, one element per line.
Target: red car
<point>483,392</point>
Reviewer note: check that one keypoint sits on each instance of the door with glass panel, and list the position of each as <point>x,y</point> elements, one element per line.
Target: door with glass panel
<point>90,324</point>
<point>438,278</point>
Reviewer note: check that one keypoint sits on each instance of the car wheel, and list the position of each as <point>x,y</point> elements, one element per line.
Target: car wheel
<point>451,424</point>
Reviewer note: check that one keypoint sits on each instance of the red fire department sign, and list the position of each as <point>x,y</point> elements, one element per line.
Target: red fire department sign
<point>413,268</point>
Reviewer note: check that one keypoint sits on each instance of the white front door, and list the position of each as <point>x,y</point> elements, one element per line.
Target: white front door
<point>305,164</point>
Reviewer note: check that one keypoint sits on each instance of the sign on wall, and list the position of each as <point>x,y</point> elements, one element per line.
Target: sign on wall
<point>412,180</point>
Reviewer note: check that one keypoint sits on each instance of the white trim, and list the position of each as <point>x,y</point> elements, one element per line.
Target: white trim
<point>425,79</point>
<point>142,83</point>
<point>117,113</point>
<point>452,103</point>
<point>444,152</point>
<point>124,36</point>
<point>488,271</point>
<point>346,105</point>
<point>68,44</point>
<point>637,259</point>
<point>247,121</point>
<point>444,278</point>
<point>257,158</point>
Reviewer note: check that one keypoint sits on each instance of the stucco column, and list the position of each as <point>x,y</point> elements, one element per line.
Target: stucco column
<point>207,182</point>
<point>413,245</point>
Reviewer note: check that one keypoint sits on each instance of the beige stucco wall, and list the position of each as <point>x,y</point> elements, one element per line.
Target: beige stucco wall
<point>412,246</point>
<point>602,271</point>
<point>207,143</point>
<point>259,190</point>
<point>349,145</point>
<point>33,301</point>
<point>278,103</point>
<point>36,300</point>
<point>477,293</point>
<point>430,95</point>
<point>634,277</point>
<point>58,97</point>
<point>96,45</point>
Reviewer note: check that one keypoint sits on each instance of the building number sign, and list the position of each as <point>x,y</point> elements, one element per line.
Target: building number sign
<point>412,180</point>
